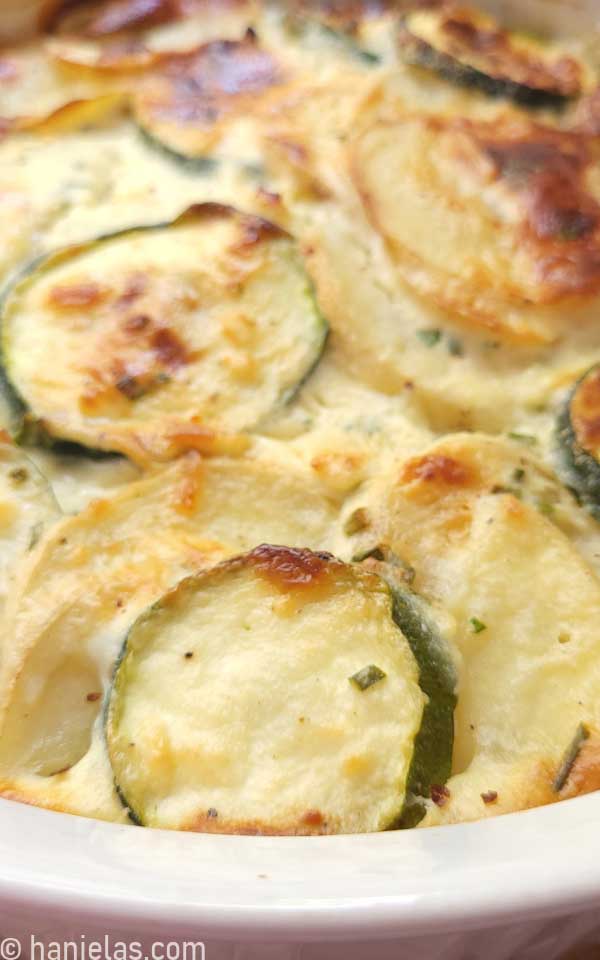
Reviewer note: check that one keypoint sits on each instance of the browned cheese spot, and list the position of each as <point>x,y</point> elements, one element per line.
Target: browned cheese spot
<point>547,171</point>
<point>436,468</point>
<point>492,46</point>
<point>585,412</point>
<point>74,296</point>
<point>198,87</point>
<point>291,569</point>
<point>104,18</point>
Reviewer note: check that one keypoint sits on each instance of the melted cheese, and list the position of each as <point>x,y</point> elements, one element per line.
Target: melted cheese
<point>260,728</point>
<point>453,244</point>
<point>85,583</point>
<point>27,509</point>
<point>171,338</point>
<point>498,553</point>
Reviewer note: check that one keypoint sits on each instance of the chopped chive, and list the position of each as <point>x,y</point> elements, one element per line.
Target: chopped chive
<point>19,475</point>
<point>357,521</point>
<point>518,475</point>
<point>35,534</point>
<point>572,752</point>
<point>547,509</point>
<point>477,624</point>
<point>501,488</point>
<point>429,336</point>
<point>366,677</point>
<point>522,437</point>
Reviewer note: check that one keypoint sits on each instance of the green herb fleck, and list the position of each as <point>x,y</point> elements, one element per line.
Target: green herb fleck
<point>572,752</point>
<point>477,625</point>
<point>547,509</point>
<point>501,488</point>
<point>366,677</point>
<point>522,437</point>
<point>35,534</point>
<point>19,476</point>
<point>429,336</point>
<point>518,475</point>
<point>357,521</point>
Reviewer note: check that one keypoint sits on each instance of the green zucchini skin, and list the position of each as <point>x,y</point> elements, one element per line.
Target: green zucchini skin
<point>432,758</point>
<point>202,165</point>
<point>579,467</point>
<point>418,53</point>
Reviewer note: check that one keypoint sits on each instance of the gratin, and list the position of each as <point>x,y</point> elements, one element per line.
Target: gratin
<point>300,468</point>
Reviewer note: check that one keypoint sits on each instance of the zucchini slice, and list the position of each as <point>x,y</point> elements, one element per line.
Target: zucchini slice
<point>93,574</point>
<point>469,48</point>
<point>518,606</point>
<point>163,338</point>
<point>578,435</point>
<point>274,694</point>
<point>205,101</point>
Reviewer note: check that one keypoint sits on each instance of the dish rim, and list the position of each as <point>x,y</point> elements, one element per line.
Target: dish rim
<point>461,877</point>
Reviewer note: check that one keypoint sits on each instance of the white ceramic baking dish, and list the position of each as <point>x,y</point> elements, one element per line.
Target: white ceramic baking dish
<point>519,887</point>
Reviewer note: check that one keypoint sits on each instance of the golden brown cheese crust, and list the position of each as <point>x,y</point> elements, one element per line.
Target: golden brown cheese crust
<point>217,79</point>
<point>561,217</point>
<point>104,18</point>
<point>528,191</point>
<point>313,823</point>
<point>542,171</point>
<point>585,412</point>
<point>120,15</point>
<point>290,568</point>
<point>467,34</point>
